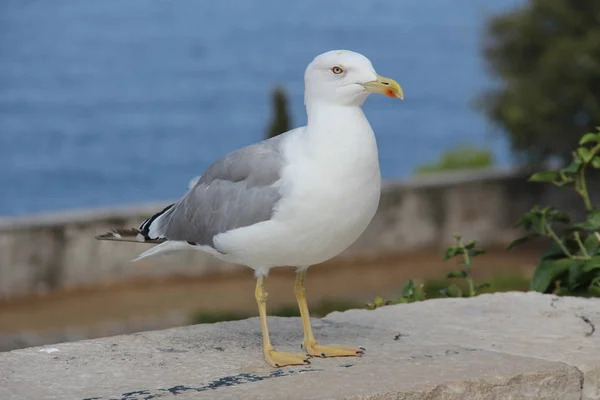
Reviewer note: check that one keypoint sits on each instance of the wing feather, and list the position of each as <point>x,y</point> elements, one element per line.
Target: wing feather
<point>240,189</point>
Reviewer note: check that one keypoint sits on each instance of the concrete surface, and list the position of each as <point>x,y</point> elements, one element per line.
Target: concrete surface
<point>43,253</point>
<point>501,346</point>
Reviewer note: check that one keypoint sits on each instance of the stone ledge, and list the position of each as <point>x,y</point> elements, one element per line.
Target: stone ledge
<point>510,345</point>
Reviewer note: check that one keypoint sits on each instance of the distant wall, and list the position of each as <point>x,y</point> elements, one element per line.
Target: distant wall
<point>57,251</point>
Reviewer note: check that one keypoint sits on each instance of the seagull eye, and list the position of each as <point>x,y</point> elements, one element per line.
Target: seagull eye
<point>337,70</point>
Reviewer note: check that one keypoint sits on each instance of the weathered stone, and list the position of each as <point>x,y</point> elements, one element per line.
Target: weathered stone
<point>502,346</point>
<point>526,324</point>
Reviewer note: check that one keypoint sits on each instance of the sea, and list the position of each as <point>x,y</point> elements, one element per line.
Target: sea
<point>120,102</point>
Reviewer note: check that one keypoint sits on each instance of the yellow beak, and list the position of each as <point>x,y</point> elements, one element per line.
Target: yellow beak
<point>386,86</point>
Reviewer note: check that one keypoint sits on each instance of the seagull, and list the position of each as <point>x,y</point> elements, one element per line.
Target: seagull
<point>297,199</point>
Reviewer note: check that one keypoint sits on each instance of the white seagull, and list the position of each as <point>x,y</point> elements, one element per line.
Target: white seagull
<point>297,199</point>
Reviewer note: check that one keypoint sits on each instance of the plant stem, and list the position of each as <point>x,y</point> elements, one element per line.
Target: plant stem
<point>559,242</point>
<point>581,246</point>
<point>468,262</point>
<point>582,189</point>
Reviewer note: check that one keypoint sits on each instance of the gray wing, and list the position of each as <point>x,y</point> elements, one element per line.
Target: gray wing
<point>236,191</point>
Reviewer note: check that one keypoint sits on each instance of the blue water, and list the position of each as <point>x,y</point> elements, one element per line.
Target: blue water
<point>112,102</point>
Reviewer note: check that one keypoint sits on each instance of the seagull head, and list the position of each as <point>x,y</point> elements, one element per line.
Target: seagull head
<point>346,78</point>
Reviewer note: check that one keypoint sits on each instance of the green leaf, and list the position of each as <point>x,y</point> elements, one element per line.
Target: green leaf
<point>589,138</point>
<point>452,291</point>
<point>584,152</point>
<point>457,273</point>
<point>564,182</point>
<point>553,251</point>
<point>379,301</point>
<point>452,251</point>
<point>596,162</point>
<point>591,224</point>
<point>470,245</point>
<point>573,168</point>
<point>555,215</point>
<point>545,176</point>
<point>593,220</point>
<point>591,244</point>
<point>419,294</point>
<point>592,264</point>
<point>594,290</point>
<point>476,252</point>
<point>408,288</point>
<point>483,285</point>
<point>521,240</point>
<point>575,274</point>
<point>547,272</point>
<point>537,224</point>
<point>524,221</point>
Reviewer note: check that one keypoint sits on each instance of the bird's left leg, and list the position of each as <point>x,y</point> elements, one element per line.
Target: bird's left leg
<point>309,343</point>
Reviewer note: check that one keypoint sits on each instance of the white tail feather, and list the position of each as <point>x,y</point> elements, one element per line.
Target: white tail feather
<point>164,248</point>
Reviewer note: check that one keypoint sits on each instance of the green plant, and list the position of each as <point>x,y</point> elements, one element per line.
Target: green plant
<point>546,56</point>
<point>410,293</point>
<point>461,157</point>
<point>504,282</point>
<point>467,252</point>
<point>280,122</point>
<point>571,263</point>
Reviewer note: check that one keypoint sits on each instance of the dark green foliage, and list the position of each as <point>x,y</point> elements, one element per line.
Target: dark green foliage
<point>467,252</point>
<point>280,122</point>
<point>571,263</point>
<point>547,58</point>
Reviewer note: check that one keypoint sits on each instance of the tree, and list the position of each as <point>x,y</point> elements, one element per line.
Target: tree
<point>281,119</point>
<point>547,58</point>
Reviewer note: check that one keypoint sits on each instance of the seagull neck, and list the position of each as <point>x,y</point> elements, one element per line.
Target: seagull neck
<point>321,112</point>
<point>338,129</point>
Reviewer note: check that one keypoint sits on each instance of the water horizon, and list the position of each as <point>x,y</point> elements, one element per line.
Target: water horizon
<point>116,103</point>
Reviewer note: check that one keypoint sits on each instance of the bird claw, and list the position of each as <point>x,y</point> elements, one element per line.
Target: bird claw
<point>317,350</point>
<point>279,359</point>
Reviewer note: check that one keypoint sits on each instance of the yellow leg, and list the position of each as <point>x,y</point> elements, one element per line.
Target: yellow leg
<point>272,357</point>
<point>309,343</point>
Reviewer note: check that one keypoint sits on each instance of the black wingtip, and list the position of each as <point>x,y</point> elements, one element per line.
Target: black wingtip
<point>128,235</point>
<point>122,234</point>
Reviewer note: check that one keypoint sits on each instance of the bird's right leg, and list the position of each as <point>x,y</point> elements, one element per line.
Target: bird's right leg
<point>272,357</point>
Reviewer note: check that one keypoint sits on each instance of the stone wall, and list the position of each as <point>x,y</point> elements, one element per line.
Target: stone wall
<point>57,251</point>
<point>500,346</point>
